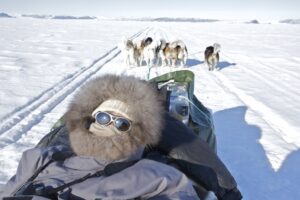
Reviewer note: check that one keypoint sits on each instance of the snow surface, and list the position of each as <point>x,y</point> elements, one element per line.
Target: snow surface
<point>253,95</point>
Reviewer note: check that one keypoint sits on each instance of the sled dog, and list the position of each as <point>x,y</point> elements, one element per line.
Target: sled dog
<point>151,51</point>
<point>211,56</point>
<point>139,50</point>
<point>173,52</point>
<point>134,52</point>
<point>138,53</point>
<point>127,48</point>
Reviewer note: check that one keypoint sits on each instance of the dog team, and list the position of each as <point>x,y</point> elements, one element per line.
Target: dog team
<point>161,53</point>
<point>154,53</point>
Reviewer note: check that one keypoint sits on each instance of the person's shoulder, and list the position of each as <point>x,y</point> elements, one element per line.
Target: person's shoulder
<point>146,161</point>
<point>171,182</point>
<point>44,150</point>
<point>157,168</point>
<point>41,154</point>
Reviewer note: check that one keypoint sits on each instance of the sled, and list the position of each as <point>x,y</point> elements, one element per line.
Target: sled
<point>189,145</point>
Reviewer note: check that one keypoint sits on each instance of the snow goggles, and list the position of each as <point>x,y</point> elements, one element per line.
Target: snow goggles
<point>120,123</point>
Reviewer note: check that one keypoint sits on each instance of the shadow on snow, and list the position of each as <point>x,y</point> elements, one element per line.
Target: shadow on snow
<point>193,62</point>
<point>239,148</point>
<point>224,64</point>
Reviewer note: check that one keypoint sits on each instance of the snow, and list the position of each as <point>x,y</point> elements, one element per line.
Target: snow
<point>253,94</point>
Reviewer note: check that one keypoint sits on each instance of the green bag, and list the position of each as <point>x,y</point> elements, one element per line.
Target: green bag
<point>200,119</point>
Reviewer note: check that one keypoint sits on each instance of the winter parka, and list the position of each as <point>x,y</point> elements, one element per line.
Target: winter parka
<point>146,179</point>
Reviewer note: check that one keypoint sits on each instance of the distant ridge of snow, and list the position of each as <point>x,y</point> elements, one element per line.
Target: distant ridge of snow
<point>146,19</point>
<point>290,21</point>
<point>169,19</point>
<point>253,22</point>
<point>87,17</point>
<point>4,15</point>
<point>37,16</point>
<point>41,16</point>
<point>71,17</point>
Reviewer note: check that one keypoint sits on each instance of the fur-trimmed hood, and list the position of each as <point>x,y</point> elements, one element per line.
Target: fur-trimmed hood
<point>145,108</point>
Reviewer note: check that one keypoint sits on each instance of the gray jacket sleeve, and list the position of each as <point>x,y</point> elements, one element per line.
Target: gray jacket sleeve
<point>146,179</point>
<point>168,184</point>
<point>30,161</point>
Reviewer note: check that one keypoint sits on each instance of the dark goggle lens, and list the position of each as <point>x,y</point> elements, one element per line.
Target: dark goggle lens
<point>102,118</point>
<point>182,110</point>
<point>122,124</point>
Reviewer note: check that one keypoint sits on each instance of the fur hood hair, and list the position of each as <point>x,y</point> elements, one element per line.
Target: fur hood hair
<point>145,108</point>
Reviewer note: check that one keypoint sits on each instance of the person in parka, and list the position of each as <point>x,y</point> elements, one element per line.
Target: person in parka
<point>110,121</point>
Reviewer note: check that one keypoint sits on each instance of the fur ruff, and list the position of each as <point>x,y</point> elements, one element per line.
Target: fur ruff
<point>145,107</point>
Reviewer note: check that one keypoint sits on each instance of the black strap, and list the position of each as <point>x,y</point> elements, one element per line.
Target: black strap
<point>109,170</point>
<point>25,197</point>
<point>62,187</point>
<point>59,156</point>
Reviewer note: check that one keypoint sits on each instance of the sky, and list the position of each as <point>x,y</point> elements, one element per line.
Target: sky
<point>217,9</point>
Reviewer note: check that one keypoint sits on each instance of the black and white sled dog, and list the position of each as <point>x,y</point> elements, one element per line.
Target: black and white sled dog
<point>151,50</point>
<point>211,56</point>
<point>172,53</point>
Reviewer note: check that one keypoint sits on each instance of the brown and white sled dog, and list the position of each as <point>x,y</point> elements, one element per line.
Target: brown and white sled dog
<point>139,50</point>
<point>173,52</point>
<point>133,52</point>
<point>212,57</point>
<point>127,48</point>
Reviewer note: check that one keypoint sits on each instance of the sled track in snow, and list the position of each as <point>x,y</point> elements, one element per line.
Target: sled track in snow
<point>17,123</point>
<point>275,121</point>
<point>283,89</point>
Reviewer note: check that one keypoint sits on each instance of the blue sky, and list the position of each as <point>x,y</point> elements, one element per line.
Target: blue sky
<point>230,9</point>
